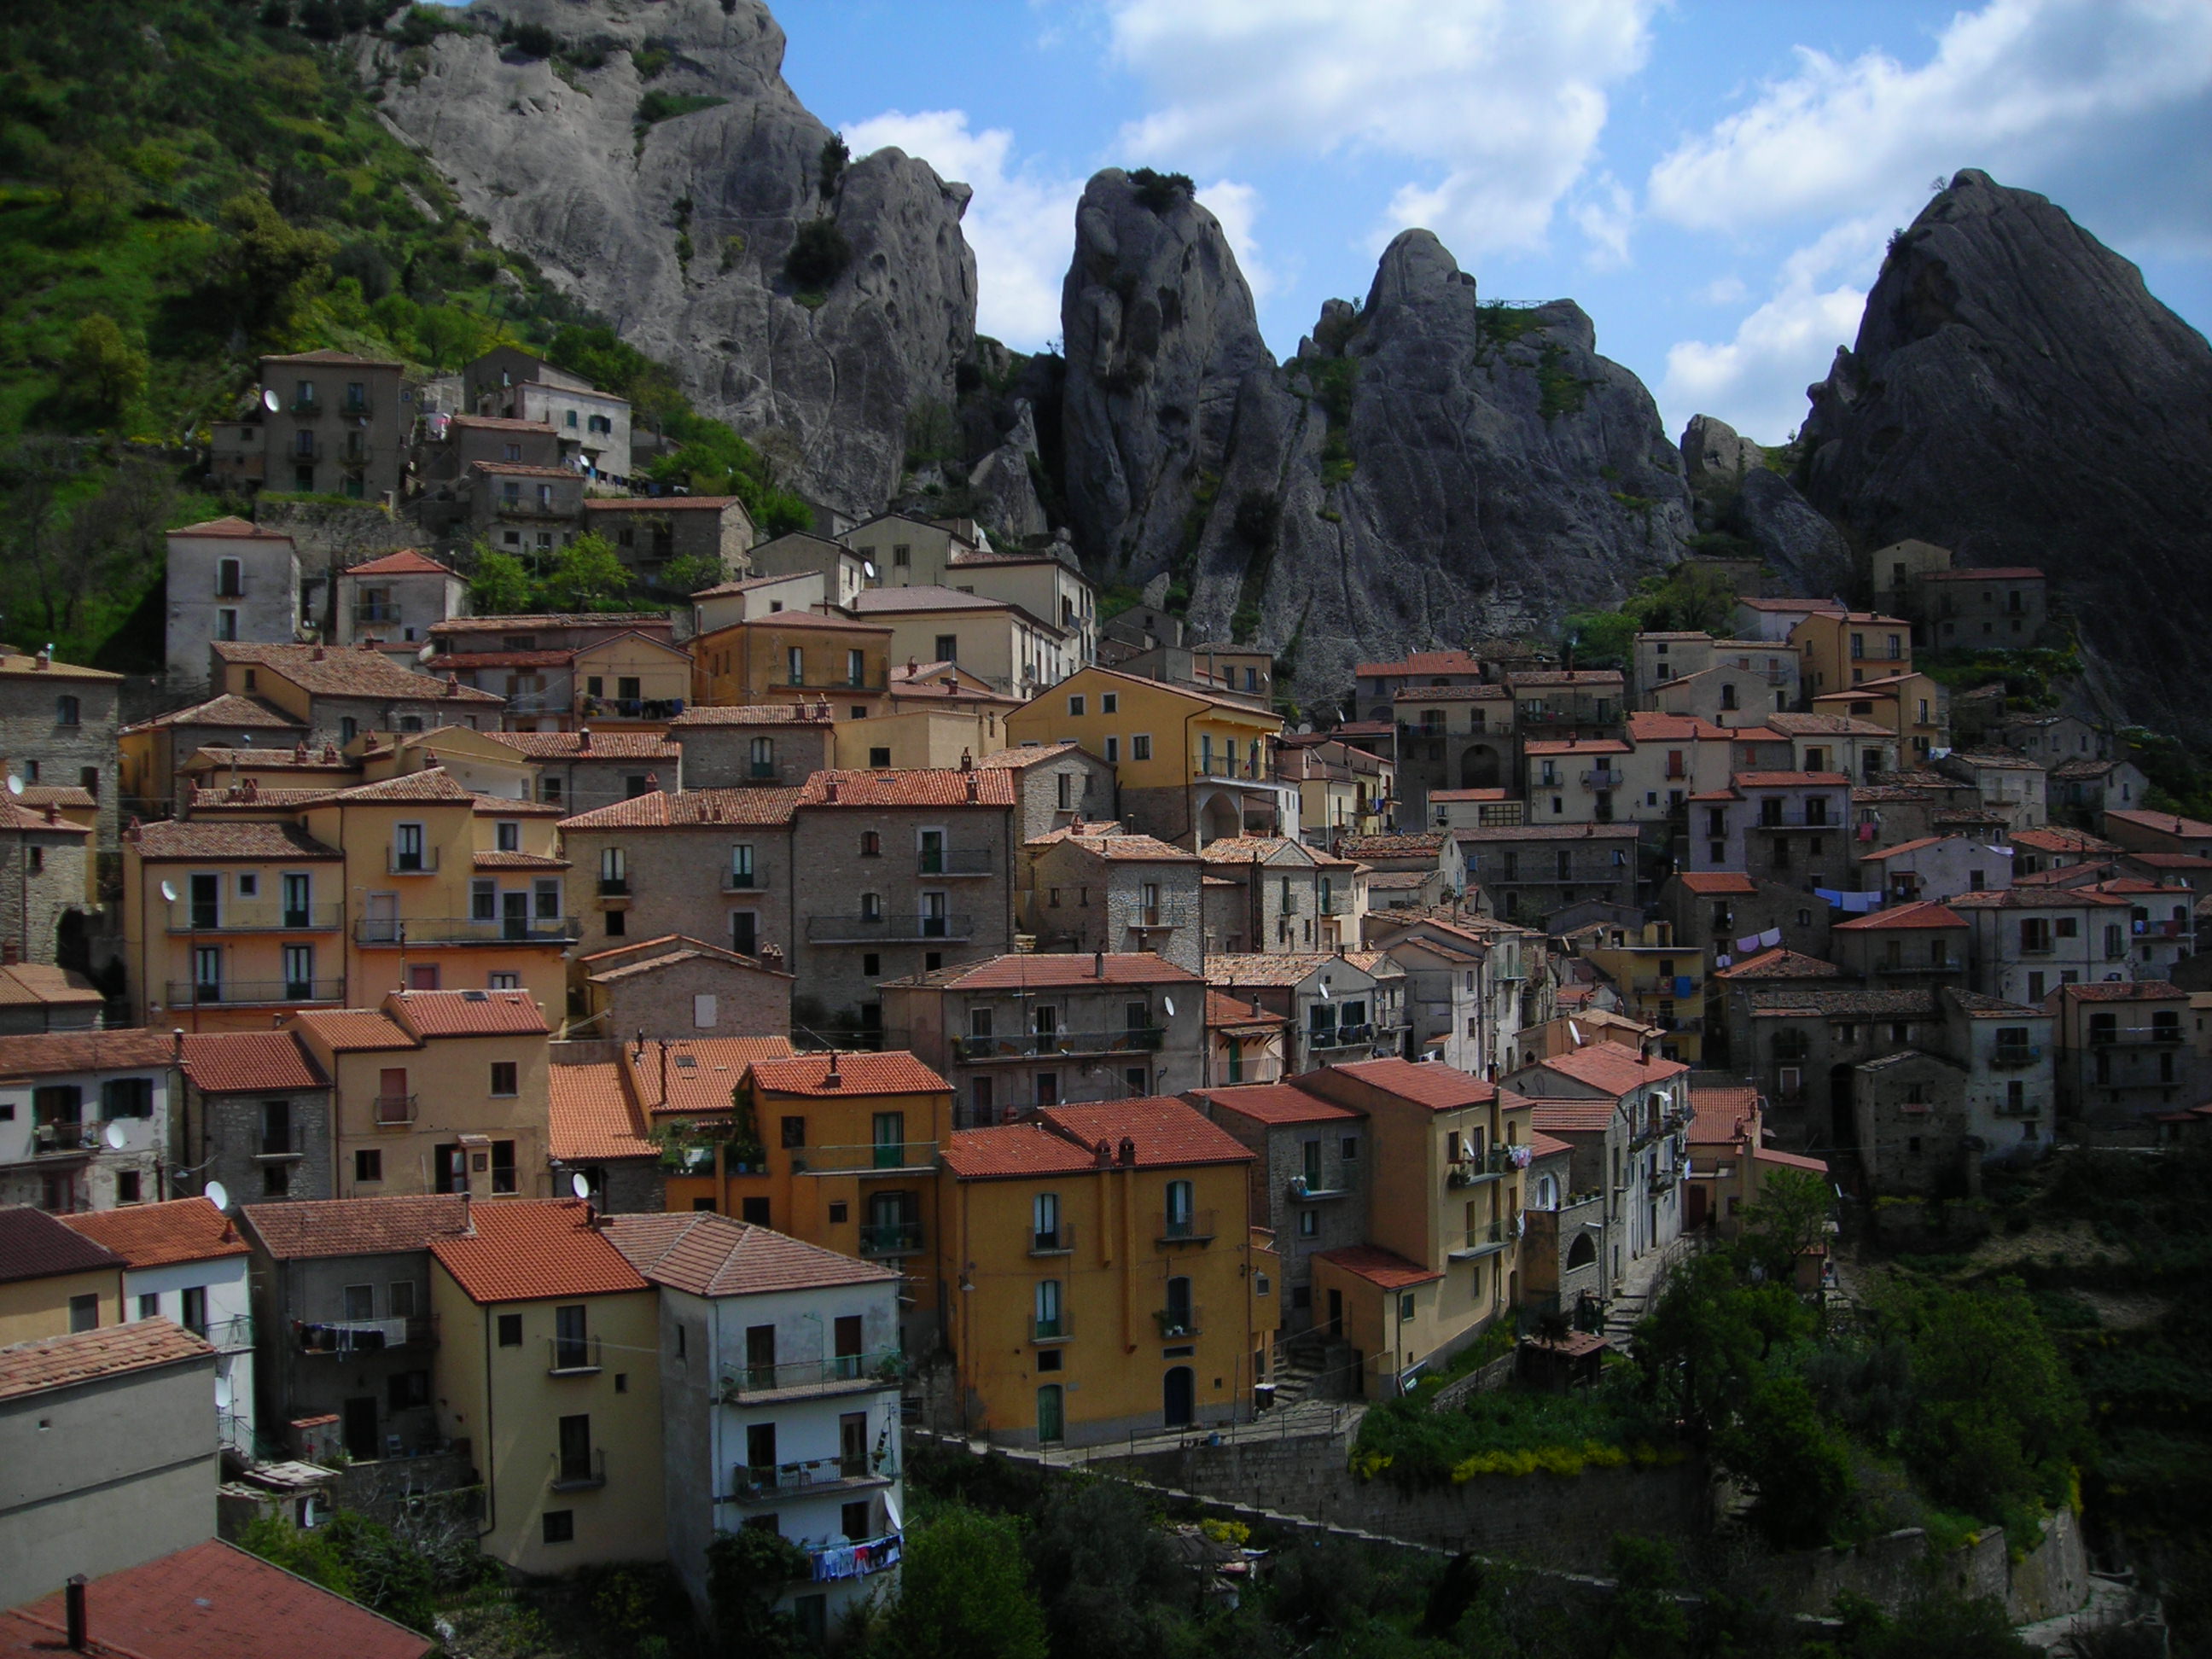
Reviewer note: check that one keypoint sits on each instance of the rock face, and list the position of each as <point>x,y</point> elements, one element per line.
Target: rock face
<point>1759,513</point>
<point>561,168</point>
<point>1712,454</point>
<point>1427,471</point>
<point>2017,395</point>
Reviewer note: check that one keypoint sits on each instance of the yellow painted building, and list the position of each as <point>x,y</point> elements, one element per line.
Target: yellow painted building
<point>921,738</point>
<point>548,1366</point>
<point>53,1280</point>
<point>1841,649</point>
<point>794,656</point>
<point>1442,1259</point>
<point>631,679</point>
<point>1192,766</point>
<point>1661,984</point>
<point>435,1091</point>
<point>1102,1273</point>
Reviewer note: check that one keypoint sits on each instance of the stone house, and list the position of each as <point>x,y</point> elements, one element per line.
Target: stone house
<point>1057,785</point>
<point>663,863</point>
<point>587,769</point>
<point>1092,886</point>
<point>255,1116</point>
<point>1921,942</point>
<point>396,598</point>
<point>843,570</point>
<point>765,744</point>
<point>1785,826</point>
<point>596,1128</point>
<point>1341,1008</point>
<point>1288,896</point>
<point>675,987</point>
<point>1717,911</point>
<point>329,424</point>
<point>1563,1253</point>
<point>1935,868</point>
<point>2012,786</point>
<point>1451,737</point>
<point>1532,871</point>
<point>1021,1032</point>
<point>1912,1136</point>
<point>2026,941</point>
<point>1309,1169</point>
<point>1444,1000</point>
<point>38,997</point>
<point>1515,985</point>
<point>342,1297</point>
<point>337,694</point>
<point>650,533</point>
<point>1808,1037</point>
<point>150,756</point>
<point>1245,1043</point>
<point>227,580</point>
<point>2142,831</point>
<point>2126,1053</point>
<point>58,726</point>
<point>523,509</point>
<point>1731,988</point>
<point>46,867</point>
<point>1994,608</point>
<point>1836,743</point>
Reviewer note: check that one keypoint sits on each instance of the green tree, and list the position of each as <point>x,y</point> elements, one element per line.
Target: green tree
<point>1703,1348</point>
<point>106,369</point>
<point>963,1593</point>
<point>1788,1217</point>
<point>818,256</point>
<point>1103,1571</point>
<point>502,585</point>
<point>1644,1618</point>
<point>586,575</point>
<point>1795,1462</point>
<point>312,1554</point>
<point>449,337</point>
<point>93,189</point>
<point>270,268</point>
<point>690,572</point>
<point>746,1572</point>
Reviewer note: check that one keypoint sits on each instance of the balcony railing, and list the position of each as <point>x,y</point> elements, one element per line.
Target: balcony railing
<point>571,1356</point>
<point>351,1336</point>
<point>1290,903</point>
<point>614,886</point>
<point>2104,1036</point>
<point>421,862</point>
<point>954,861</point>
<point>877,1367</point>
<point>254,992</point>
<point>580,1473</point>
<point>467,930</point>
<point>1798,820</point>
<point>1336,901</point>
<point>1603,777</point>
<point>880,928</point>
<point>370,610</point>
<point>635,709</point>
<point>395,1111</point>
<point>863,1156</point>
<point>1131,1040</point>
<point>827,683</point>
<point>866,1556</point>
<point>890,1238</point>
<point>1472,1242</point>
<point>1906,968</point>
<point>51,1138</point>
<point>760,1483</point>
<point>1305,1190</point>
<point>1177,1323</point>
<point>515,508</point>
<point>2016,1056</point>
<point>236,918</point>
<point>1056,1241</point>
<point>1473,1169</point>
<point>1060,1327</point>
<point>1340,1036</point>
<point>743,881</point>
<point>1178,912</point>
<point>2025,1109</point>
<point>1194,1228</point>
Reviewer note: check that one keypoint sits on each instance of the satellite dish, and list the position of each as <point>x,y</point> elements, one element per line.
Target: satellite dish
<point>14,784</point>
<point>429,651</point>
<point>223,1393</point>
<point>216,1194</point>
<point>269,399</point>
<point>1170,1003</point>
<point>1324,991</point>
<point>1576,1032</point>
<point>868,568</point>
<point>578,1185</point>
<point>168,892</point>
<point>114,1136</point>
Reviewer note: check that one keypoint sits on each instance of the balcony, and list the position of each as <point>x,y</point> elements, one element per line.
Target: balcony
<point>1334,902</point>
<point>1056,1241</point>
<point>1179,913</point>
<point>745,881</point>
<point>353,1336</point>
<point>1340,1037</point>
<point>868,1557</point>
<point>1302,1191</point>
<point>632,708</point>
<point>2104,1036</point>
<point>890,1238</point>
<point>882,1156</point>
<point>356,408</point>
<point>614,886</point>
<point>1196,1228</point>
<point>883,928</point>
<point>2161,930</point>
<point>1798,820</point>
<point>764,1483</point>
<point>1908,969</point>
<point>254,992</point>
<point>395,1111</point>
<point>842,1373</point>
<point>1130,1040</point>
<point>422,861</point>
<point>1289,905</point>
<point>1473,1169</point>
<point>826,683</point>
<point>1476,1243</point>
<point>1059,1328</point>
<point>1177,1324</point>
<point>1602,778</point>
<point>48,1139</point>
<point>263,919</point>
<point>954,861</point>
<point>580,1473</point>
<point>572,1356</point>
<point>2016,1056</point>
<point>2025,1109</point>
<point>375,611</point>
<point>467,930</point>
<point>307,409</point>
<point>307,449</point>
<point>514,508</point>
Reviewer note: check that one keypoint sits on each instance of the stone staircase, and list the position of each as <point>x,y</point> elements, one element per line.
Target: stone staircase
<point>1301,1364</point>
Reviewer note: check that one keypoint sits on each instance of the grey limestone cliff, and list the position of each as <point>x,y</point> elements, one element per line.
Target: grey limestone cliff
<point>1427,471</point>
<point>555,158</point>
<point>2016,394</point>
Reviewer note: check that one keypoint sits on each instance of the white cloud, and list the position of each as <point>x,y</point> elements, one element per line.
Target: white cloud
<point>1497,105</point>
<point>2095,102</point>
<point>1722,291</point>
<point>1237,205</point>
<point>1605,216</point>
<point>1021,223</point>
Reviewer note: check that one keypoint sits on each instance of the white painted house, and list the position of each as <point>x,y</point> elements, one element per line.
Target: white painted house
<point>84,1117</point>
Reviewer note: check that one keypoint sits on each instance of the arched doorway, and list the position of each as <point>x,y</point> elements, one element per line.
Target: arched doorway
<point>1179,1398</point>
<point>1478,768</point>
<point>1581,1253</point>
<point>1222,815</point>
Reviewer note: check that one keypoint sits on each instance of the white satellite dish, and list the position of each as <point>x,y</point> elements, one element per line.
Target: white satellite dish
<point>578,1185</point>
<point>269,399</point>
<point>1170,1003</point>
<point>223,1393</point>
<point>168,892</point>
<point>14,784</point>
<point>114,1136</point>
<point>868,568</point>
<point>216,1194</point>
<point>429,651</point>
<point>1324,991</point>
<point>1576,1032</point>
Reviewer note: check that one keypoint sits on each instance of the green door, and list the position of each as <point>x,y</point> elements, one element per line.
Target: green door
<point>1050,1428</point>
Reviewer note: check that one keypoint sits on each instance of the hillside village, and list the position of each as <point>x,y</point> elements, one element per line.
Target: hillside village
<point>627,1073</point>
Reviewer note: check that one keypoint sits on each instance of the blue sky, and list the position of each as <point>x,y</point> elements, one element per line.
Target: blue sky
<point>1713,182</point>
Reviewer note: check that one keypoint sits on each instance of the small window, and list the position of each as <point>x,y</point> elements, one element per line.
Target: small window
<point>503,1077</point>
<point>510,1330</point>
<point>1075,706</point>
<point>67,711</point>
<point>1141,747</point>
<point>560,1526</point>
<point>368,1164</point>
<point>1109,702</point>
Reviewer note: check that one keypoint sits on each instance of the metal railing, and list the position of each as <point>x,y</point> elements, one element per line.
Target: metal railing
<point>826,683</point>
<point>370,610</point>
<point>877,1365</point>
<point>1287,903</point>
<point>1800,819</point>
<point>1177,1323</point>
<point>1194,1228</point>
<point>254,992</point>
<point>572,1356</point>
<point>751,1483</point>
<point>422,863</point>
<point>876,929</point>
<point>743,881</point>
<point>1602,778</point>
<point>1338,1036</point>
<point>468,930</point>
<point>349,1336</point>
<point>614,886</point>
<point>307,408</point>
<point>954,861</point>
<point>2104,1036</point>
<point>530,509</point>
<point>890,1238</point>
<point>576,1474</point>
<point>635,709</point>
<point>1060,1327</point>
<point>2016,1056</point>
<point>862,1155</point>
<point>1056,1241</point>
<point>1135,1040</point>
<point>65,1138</point>
<point>1472,1242</point>
<point>395,1111</point>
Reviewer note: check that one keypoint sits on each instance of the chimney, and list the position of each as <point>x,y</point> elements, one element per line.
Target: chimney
<point>974,786</point>
<point>1128,1152</point>
<point>583,740</point>
<point>45,658</point>
<point>1098,964</point>
<point>80,1638</point>
<point>829,791</point>
<point>967,761</point>
<point>1104,1154</point>
<point>10,953</point>
<point>177,1042</point>
<point>833,1078</point>
<point>771,956</point>
<point>663,1071</point>
<point>316,655</point>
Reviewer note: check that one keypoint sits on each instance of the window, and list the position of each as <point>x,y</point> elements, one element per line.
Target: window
<point>510,1330</point>
<point>1141,747</point>
<point>872,844</point>
<point>127,1187</point>
<point>84,1313</point>
<point>503,1077</point>
<point>1181,1218</point>
<point>558,1526</point>
<point>149,1307</point>
<point>856,668</point>
<point>948,647</point>
<point>360,1301</point>
<point>368,1164</point>
<point>794,660</point>
<point>67,711</point>
<point>1075,706</point>
<point>1049,1320</point>
<point>1113,755</point>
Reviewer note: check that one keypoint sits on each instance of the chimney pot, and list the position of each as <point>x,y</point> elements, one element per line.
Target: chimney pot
<point>79,1637</point>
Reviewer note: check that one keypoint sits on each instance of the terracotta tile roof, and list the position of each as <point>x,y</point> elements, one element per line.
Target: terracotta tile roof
<point>1417,694</point>
<point>433,783</point>
<point>55,794</point>
<point>1779,964</point>
<point>1547,832</point>
<point>156,1235</point>
<point>239,1062</point>
<point>1543,1145</point>
<point>1609,1066</point>
<point>1274,1102</point>
<point>523,621</point>
<point>1926,914</point>
<point>231,528</point>
<point>1421,662</point>
<point>1384,1268</point>
<point>1439,1088</point>
<point>215,756</point>
<point>520,469</point>
<point>2141,990</point>
<point>943,785</point>
<point>336,672</point>
<point>2170,823</point>
<point>1842,1001</point>
<point>1569,1117</point>
<point>1710,882</point>
<point>468,662</point>
<point>1168,1132</point>
<point>1026,756</point>
<point>1399,881</point>
<point>1825,725</point>
<point>47,822</point>
<point>701,1072</point>
<point>1789,780</point>
<point>1645,726</point>
<point>36,1245</point>
<point>467,1013</point>
<point>1015,1149</point>
<point>1267,849</point>
<point>1909,846</point>
<point>894,1072</point>
<point>1228,1013</point>
<point>1576,747</point>
<point>15,666</point>
<point>351,1030</point>
<point>533,1249</point>
<point>483,860</point>
<point>710,1254</point>
<point>1720,1114</point>
<point>691,809</point>
<point>784,621</point>
<point>589,1118</point>
<point>2032,898</point>
<point>1264,968</point>
<point>58,1362</point>
<point>236,801</point>
<point>1790,1161</point>
<point>1466,795</point>
<point>1427,845</point>
<point>50,1053</point>
<point>212,1601</point>
<point>762,714</point>
<point>42,985</point>
<point>1227,706</point>
<point>355,1226</point>
<point>195,839</point>
<point>1109,841</point>
<point>407,561</point>
<point>1060,970</point>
